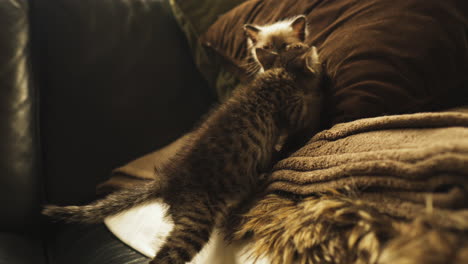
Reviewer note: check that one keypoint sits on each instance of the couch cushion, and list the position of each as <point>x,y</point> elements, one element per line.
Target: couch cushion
<point>91,244</point>
<point>382,57</point>
<point>19,249</point>
<point>117,81</point>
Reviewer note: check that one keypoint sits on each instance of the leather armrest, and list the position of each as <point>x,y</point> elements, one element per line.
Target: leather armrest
<point>19,174</point>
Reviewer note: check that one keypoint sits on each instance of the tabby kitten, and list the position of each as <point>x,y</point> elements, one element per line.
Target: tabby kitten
<point>274,38</point>
<point>222,163</point>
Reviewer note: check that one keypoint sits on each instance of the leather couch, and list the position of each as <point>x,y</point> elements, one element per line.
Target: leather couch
<point>85,86</point>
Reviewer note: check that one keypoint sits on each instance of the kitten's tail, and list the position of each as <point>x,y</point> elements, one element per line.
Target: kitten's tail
<point>112,204</point>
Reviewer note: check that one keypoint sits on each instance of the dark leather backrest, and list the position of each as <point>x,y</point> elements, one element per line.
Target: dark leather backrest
<point>19,174</point>
<point>116,82</point>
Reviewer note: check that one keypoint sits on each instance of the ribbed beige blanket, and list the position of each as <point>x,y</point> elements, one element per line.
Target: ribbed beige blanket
<point>399,164</point>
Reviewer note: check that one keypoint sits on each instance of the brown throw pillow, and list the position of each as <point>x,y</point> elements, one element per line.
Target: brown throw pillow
<point>381,57</point>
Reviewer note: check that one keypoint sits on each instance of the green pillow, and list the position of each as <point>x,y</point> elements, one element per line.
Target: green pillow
<point>194,18</point>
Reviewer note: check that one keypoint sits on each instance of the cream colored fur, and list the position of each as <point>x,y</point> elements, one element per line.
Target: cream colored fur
<point>282,29</point>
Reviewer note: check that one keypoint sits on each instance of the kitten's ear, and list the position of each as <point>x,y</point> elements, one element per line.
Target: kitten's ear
<point>251,32</point>
<point>299,26</point>
<point>266,58</point>
<point>312,61</point>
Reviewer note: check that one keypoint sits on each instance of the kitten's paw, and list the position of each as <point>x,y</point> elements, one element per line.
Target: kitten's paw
<point>296,47</point>
<point>162,261</point>
<point>165,261</point>
<point>313,63</point>
<point>169,255</point>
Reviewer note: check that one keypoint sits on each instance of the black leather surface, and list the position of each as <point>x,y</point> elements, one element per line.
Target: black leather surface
<point>113,81</point>
<point>116,82</point>
<point>17,249</point>
<point>93,244</point>
<point>19,175</point>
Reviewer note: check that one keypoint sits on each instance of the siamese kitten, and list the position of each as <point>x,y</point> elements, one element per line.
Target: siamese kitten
<point>274,38</point>
<point>225,158</point>
<point>264,43</point>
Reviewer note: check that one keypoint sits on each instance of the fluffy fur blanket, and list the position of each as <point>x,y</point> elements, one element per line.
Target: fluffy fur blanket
<point>390,189</point>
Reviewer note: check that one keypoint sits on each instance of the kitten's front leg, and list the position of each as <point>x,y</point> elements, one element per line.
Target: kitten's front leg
<point>296,47</point>
<point>194,221</point>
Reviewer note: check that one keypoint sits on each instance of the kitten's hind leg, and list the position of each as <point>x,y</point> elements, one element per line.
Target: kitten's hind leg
<point>194,221</point>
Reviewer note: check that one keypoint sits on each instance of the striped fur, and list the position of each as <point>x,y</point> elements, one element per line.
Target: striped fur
<point>113,204</point>
<point>222,164</point>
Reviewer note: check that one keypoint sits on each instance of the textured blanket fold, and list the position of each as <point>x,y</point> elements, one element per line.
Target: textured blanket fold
<point>404,159</point>
<point>390,189</point>
<point>359,193</point>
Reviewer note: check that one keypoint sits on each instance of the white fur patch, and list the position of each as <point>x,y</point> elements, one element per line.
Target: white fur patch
<point>145,228</point>
<point>280,28</point>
